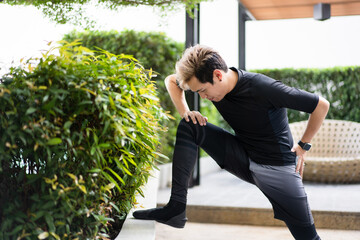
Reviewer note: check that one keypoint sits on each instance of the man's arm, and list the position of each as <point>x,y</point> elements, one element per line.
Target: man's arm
<point>315,120</point>
<point>178,98</point>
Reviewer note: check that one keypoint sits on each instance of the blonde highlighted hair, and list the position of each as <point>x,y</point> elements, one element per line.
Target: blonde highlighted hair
<point>199,61</point>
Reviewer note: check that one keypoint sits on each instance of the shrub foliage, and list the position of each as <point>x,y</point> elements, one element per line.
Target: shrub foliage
<point>153,50</point>
<point>78,137</point>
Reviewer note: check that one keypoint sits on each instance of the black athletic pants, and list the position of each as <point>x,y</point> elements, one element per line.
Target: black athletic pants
<point>223,147</point>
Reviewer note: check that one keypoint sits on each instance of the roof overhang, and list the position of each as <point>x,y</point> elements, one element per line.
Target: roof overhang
<point>287,9</point>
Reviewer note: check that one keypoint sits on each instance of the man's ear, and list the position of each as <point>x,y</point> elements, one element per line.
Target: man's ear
<point>217,74</point>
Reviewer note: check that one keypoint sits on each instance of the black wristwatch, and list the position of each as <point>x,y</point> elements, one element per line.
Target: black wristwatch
<point>305,146</point>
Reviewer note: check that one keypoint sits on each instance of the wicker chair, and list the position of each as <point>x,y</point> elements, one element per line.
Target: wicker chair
<point>335,153</point>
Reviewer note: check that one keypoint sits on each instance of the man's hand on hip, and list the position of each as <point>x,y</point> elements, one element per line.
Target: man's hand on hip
<point>300,153</point>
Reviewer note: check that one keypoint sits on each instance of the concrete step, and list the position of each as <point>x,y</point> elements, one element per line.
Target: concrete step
<point>264,217</point>
<point>134,229</point>
<point>224,199</point>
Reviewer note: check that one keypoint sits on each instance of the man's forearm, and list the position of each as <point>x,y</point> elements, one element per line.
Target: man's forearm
<point>315,120</point>
<point>177,95</point>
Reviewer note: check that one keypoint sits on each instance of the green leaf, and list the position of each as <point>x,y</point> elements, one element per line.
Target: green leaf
<point>30,110</point>
<point>132,162</point>
<point>95,170</point>
<point>92,150</point>
<point>90,91</point>
<point>138,124</point>
<point>109,186</point>
<point>54,141</point>
<point>16,230</point>
<point>107,123</point>
<point>150,97</point>
<point>50,222</point>
<point>72,176</point>
<point>104,145</point>
<point>96,139</point>
<point>48,205</point>
<point>43,235</point>
<point>116,175</point>
<point>112,180</point>
<point>114,206</point>
<point>82,188</point>
<point>133,89</point>
<point>55,235</point>
<point>161,155</point>
<point>67,125</point>
<point>112,104</point>
<point>127,171</point>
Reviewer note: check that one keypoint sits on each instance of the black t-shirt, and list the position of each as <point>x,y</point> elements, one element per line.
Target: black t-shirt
<point>256,110</point>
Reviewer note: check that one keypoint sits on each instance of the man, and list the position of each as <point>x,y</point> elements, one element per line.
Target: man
<point>261,152</point>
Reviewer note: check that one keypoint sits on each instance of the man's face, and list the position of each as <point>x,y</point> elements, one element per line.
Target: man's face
<point>213,92</point>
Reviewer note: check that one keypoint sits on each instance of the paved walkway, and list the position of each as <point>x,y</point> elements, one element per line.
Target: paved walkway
<point>200,231</point>
<point>220,188</point>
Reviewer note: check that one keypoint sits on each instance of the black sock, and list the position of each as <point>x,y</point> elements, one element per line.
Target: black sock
<point>170,210</point>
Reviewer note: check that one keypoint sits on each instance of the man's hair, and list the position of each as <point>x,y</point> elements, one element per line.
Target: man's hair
<point>199,61</point>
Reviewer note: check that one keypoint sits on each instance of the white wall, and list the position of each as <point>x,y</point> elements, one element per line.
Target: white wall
<point>219,28</point>
<point>303,43</point>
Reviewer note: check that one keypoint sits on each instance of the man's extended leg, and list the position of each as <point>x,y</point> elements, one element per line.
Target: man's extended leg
<point>284,188</point>
<point>222,146</point>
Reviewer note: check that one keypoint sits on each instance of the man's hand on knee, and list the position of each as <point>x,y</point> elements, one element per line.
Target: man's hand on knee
<point>196,117</point>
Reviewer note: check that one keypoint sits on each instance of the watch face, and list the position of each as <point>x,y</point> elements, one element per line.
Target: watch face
<point>307,146</point>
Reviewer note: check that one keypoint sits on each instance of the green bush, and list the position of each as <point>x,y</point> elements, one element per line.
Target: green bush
<point>78,137</point>
<point>153,50</point>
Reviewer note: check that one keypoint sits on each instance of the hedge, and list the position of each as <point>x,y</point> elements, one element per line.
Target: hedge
<point>78,138</point>
<point>153,50</point>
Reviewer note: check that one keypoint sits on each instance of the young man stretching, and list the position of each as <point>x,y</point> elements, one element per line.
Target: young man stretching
<point>261,152</point>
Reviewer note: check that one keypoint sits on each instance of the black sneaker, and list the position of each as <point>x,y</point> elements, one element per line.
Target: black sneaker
<point>173,214</point>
